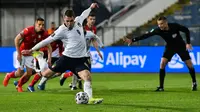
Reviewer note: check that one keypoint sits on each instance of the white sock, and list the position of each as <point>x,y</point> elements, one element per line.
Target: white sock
<point>42,63</point>
<point>42,81</point>
<point>74,80</point>
<point>88,88</point>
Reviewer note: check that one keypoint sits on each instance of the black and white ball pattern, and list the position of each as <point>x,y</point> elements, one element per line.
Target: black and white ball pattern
<point>81,98</point>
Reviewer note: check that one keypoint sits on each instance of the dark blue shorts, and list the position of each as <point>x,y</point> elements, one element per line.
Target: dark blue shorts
<point>75,65</point>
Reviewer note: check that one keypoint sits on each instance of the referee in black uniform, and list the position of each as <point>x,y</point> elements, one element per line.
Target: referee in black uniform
<point>175,44</point>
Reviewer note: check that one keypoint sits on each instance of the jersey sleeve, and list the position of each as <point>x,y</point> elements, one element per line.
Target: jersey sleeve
<point>185,30</point>
<point>25,32</point>
<point>99,41</point>
<point>90,35</point>
<point>83,16</point>
<point>57,35</point>
<point>147,35</point>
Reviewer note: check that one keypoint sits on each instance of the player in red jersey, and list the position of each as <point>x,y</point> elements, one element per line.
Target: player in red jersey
<point>90,25</point>
<point>25,40</point>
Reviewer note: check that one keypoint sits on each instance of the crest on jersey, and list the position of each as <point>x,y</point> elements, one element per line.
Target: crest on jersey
<point>78,32</point>
<point>174,35</point>
<point>152,30</point>
<point>79,24</point>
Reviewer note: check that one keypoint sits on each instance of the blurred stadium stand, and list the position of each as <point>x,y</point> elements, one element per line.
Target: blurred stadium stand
<point>188,16</point>
<point>18,14</point>
<point>135,14</point>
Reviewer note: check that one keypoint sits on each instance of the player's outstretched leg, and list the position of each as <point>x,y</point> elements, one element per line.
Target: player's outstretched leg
<point>192,74</point>
<point>86,76</point>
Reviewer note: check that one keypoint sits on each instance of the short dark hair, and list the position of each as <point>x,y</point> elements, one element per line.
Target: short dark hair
<point>92,14</point>
<point>161,18</point>
<point>39,19</point>
<point>52,22</point>
<point>69,13</point>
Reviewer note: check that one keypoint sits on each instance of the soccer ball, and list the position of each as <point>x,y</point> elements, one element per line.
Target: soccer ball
<point>82,98</point>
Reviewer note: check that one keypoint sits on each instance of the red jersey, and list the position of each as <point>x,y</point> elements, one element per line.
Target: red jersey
<point>93,29</point>
<point>57,48</point>
<point>31,38</point>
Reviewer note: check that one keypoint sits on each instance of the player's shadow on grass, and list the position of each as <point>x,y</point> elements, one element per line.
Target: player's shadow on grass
<point>61,91</point>
<point>143,91</point>
<point>149,107</point>
<point>122,91</point>
<point>181,90</point>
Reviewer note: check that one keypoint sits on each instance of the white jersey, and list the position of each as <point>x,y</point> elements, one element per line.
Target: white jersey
<point>73,40</point>
<point>89,36</point>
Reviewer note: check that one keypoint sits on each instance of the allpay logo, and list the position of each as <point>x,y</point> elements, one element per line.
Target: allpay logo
<point>119,59</point>
<point>177,63</point>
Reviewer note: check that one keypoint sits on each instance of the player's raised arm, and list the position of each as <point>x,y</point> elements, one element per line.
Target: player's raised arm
<point>86,13</point>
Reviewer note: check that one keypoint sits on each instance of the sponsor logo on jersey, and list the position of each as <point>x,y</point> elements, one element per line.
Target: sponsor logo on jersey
<point>174,35</point>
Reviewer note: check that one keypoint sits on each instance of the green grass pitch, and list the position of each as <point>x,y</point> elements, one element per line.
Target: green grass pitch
<point>121,93</point>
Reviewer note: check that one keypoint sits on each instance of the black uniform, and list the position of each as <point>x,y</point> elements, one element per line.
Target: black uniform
<point>175,43</point>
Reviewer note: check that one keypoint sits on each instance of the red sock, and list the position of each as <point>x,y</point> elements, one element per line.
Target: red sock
<point>12,74</point>
<point>68,74</point>
<point>23,80</point>
<point>35,79</point>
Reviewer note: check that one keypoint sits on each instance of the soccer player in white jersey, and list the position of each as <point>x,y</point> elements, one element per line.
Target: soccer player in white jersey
<point>90,37</point>
<point>71,33</point>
